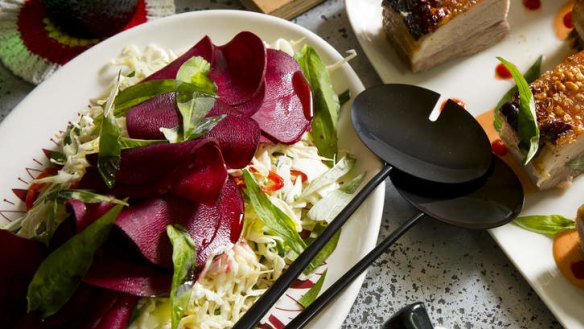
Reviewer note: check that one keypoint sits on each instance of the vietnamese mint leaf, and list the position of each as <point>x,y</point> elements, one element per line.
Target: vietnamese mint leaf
<point>59,275</point>
<point>184,259</point>
<point>325,101</point>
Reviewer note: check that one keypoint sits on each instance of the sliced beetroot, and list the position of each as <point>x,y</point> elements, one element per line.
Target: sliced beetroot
<point>237,135</point>
<point>118,314</point>
<point>286,111</point>
<point>204,48</point>
<point>19,260</point>
<point>87,213</point>
<point>239,67</point>
<point>211,227</point>
<point>145,120</point>
<point>193,170</point>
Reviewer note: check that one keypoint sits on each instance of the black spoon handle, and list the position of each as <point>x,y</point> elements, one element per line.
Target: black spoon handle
<point>318,304</point>
<point>269,298</point>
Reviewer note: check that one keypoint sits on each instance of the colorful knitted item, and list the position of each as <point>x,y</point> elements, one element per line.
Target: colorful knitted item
<point>33,48</point>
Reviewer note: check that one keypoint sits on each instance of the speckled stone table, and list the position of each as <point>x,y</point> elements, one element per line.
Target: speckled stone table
<point>462,276</point>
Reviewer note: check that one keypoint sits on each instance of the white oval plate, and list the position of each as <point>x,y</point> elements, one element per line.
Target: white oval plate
<point>48,108</point>
<point>472,79</point>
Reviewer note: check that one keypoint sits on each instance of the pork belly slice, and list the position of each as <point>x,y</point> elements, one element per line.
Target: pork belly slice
<point>426,33</point>
<point>559,105</point>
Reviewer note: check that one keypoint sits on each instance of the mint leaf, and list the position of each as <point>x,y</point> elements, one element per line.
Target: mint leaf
<point>184,259</point>
<point>549,225</point>
<point>59,275</point>
<point>325,102</point>
<point>528,129</point>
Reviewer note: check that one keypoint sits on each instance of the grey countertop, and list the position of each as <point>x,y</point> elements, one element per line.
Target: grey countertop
<point>462,276</point>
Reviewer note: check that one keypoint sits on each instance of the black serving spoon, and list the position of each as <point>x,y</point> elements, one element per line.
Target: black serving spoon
<point>393,121</point>
<point>487,202</point>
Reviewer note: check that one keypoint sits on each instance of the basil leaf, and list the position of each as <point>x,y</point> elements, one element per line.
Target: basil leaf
<point>532,73</point>
<point>196,72</point>
<point>528,129</point>
<point>276,220</point>
<point>108,159</point>
<point>82,195</point>
<point>59,275</point>
<point>184,259</point>
<point>171,134</point>
<point>325,101</point>
<point>549,225</point>
<point>313,292</point>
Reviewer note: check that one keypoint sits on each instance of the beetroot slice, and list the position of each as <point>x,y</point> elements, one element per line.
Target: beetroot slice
<point>128,274</point>
<point>237,135</point>
<point>87,213</point>
<point>145,120</point>
<point>286,112</point>
<point>193,170</point>
<point>211,227</point>
<point>19,260</point>
<point>204,48</point>
<point>119,314</point>
<point>239,67</point>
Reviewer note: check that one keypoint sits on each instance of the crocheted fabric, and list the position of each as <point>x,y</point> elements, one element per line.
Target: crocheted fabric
<point>33,48</point>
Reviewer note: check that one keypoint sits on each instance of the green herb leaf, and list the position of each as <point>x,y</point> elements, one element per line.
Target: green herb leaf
<point>143,91</point>
<point>325,252</point>
<point>184,259</point>
<point>108,159</point>
<point>549,225</point>
<point>528,129</point>
<point>131,143</point>
<point>196,72</point>
<point>313,292</point>
<point>81,195</point>
<point>532,73</point>
<point>59,275</point>
<point>276,220</point>
<point>344,97</point>
<point>57,157</point>
<point>326,104</point>
<point>204,126</point>
<point>194,111</point>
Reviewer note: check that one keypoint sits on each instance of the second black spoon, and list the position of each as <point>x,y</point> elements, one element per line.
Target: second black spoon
<point>488,202</point>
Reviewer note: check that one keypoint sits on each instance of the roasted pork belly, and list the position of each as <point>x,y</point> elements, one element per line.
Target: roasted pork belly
<point>559,105</point>
<point>429,32</point>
